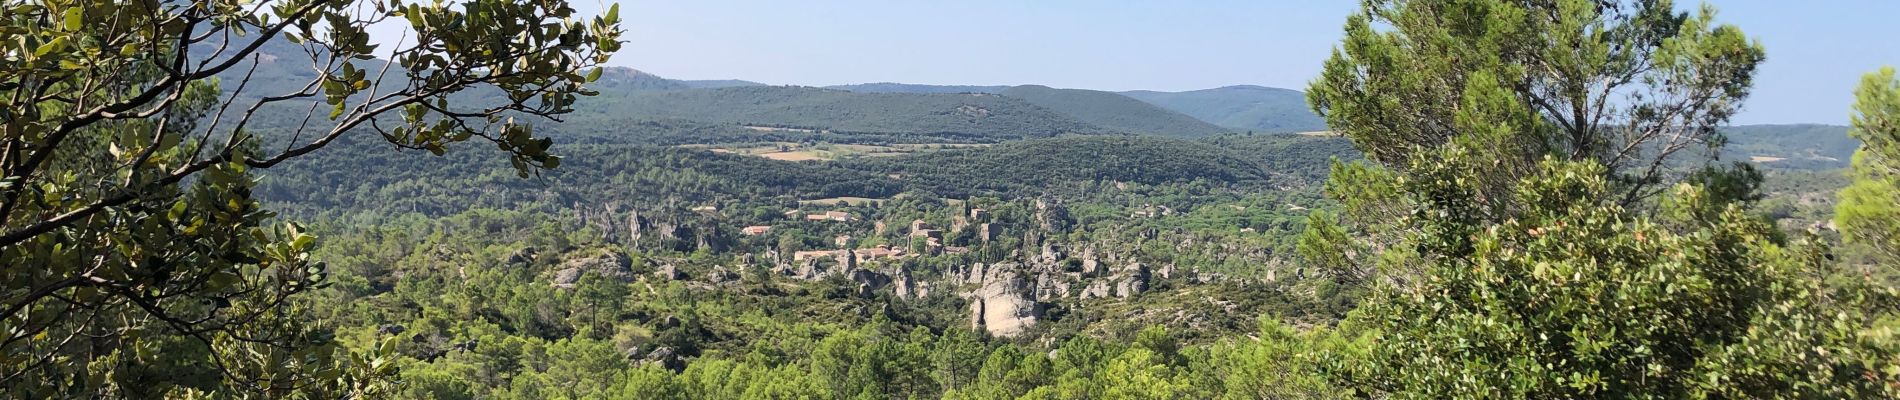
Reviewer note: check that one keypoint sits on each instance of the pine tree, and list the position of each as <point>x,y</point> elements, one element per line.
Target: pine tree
<point>1534,219</point>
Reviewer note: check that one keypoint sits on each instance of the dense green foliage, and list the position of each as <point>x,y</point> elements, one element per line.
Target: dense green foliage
<point>135,261</point>
<point>1869,212</point>
<point>1498,85</point>
<point>384,183</point>
<point>1516,262</point>
<point>1026,166</point>
<point>476,319</point>
<point>1248,108</point>
<point>1114,111</point>
<point>1508,232</point>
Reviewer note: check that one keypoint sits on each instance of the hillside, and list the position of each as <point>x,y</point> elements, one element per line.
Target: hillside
<point>1306,158</point>
<point>718,83</point>
<point>978,117</point>
<point>364,177</point>
<point>1113,111</point>
<point>619,78</point>
<point>1256,108</point>
<point>1799,146</point>
<point>891,87</point>
<point>1030,166</point>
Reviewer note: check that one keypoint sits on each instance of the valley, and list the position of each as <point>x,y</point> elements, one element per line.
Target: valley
<point>676,251</point>
<point>481,199</point>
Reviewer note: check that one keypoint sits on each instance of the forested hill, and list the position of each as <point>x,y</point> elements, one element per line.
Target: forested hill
<point>617,78</point>
<point>981,116</point>
<point>892,87</point>
<point>1246,107</point>
<point>1798,146</point>
<point>364,177</point>
<point>1029,166</point>
<point>622,78</point>
<point>1114,111</point>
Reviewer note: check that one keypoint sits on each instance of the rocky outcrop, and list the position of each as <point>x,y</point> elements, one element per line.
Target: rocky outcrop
<point>1052,216</point>
<point>807,270</point>
<point>668,272</point>
<point>522,256</point>
<point>1095,290</point>
<point>847,260</point>
<point>1005,303</point>
<point>721,275</point>
<point>1132,281</point>
<point>1092,267</point>
<point>869,278</point>
<point>666,358</point>
<point>903,284</point>
<point>1051,253</point>
<point>566,278</point>
<point>1050,285</point>
<point>611,265</point>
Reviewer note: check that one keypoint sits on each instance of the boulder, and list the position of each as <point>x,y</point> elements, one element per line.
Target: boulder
<point>870,278</point>
<point>847,260</point>
<point>903,285</point>
<point>666,358</point>
<point>809,270</point>
<point>668,272</point>
<point>1051,286</point>
<point>521,256</point>
<point>565,278</point>
<point>1095,290</point>
<point>1005,305</point>
<point>1052,216</point>
<point>611,265</point>
<point>1132,281</point>
<point>721,275</point>
<point>1050,253</point>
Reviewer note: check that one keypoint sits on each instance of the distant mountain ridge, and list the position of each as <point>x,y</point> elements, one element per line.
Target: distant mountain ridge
<point>1183,114</point>
<point>983,117</point>
<point>1799,146</point>
<point>1114,111</point>
<point>893,87</point>
<point>633,79</point>
<point>1246,107</point>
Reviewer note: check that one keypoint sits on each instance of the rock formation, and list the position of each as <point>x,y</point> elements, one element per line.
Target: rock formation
<point>1132,281</point>
<point>1004,304</point>
<point>611,265</point>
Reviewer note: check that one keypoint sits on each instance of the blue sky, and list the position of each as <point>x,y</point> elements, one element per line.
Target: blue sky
<point>1817,49</point>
